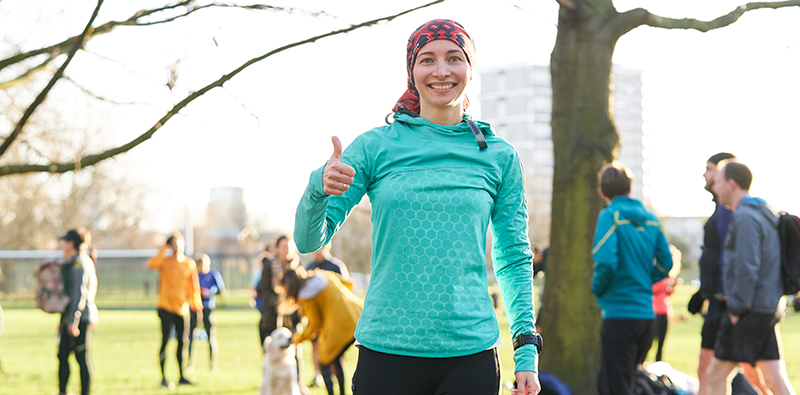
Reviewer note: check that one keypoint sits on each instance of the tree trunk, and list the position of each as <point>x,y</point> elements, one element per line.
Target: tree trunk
<point>584,138</point>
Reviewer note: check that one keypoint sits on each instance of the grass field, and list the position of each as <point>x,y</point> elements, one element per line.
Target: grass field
<point>125,348</point>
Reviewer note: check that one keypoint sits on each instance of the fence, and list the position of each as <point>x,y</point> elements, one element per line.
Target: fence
<point>124,279</point>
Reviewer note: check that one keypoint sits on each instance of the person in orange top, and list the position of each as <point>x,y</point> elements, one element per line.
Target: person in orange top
<point>332,310</point>
<point>178,288</point>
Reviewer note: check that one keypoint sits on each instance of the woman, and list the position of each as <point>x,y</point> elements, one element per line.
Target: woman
<point>332,311</point>
<point>436,180</point>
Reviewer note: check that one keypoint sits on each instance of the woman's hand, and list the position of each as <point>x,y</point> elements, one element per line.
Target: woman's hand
<point>527,383</point>
<point>337,176</point>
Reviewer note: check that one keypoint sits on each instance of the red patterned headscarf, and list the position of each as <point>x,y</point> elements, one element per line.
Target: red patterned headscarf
<point>437,29</point>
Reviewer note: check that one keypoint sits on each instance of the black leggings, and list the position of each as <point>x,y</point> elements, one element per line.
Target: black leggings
<point>168,321</point>
<point>207,324</point>
<point>661,323</point>
<point>336,364</point>
<point>80,346</point>
<point>388,374</point>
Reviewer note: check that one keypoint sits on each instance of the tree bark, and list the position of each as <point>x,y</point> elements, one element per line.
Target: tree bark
<point>584,138</point>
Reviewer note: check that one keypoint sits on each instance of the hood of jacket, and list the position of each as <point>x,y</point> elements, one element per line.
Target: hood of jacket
<point>759,206</point>
<point>417,120</point>
<point>631,209</point>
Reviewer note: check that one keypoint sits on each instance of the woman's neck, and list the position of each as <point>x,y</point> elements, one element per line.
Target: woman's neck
<point>442,115</point>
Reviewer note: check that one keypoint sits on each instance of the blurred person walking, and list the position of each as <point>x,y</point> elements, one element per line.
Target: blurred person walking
<point>211,284</point>
<point>711,285</point>
<point>752,286</point>
<point>332,310</point>
<point>627,240</point>
<point>79,316</point>
<point>178,288</point>
<point>437,181</point>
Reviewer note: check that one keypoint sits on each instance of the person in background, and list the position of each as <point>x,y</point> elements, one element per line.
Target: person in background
<point>627,241</point>
<point>662,305</point>
<point>711,285</point>
<point>178,288</point>
<point>752,286</point>
<point>79,316</point>
<point>211,284</point>
<point>332,310</point>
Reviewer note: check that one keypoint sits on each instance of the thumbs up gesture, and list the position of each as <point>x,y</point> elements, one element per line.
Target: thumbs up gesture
<point>337,176</point>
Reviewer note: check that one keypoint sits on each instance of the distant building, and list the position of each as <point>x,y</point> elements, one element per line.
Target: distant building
<point>686,233</point>
<point>517,100</point>
<point>225,218</point>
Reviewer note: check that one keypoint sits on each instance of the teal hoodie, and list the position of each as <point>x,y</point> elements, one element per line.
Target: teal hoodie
<point>433,195</point>
<point>627,238</point>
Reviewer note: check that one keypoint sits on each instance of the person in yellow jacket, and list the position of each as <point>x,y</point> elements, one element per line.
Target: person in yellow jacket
<point>332,309</point>
<point>178,288</point>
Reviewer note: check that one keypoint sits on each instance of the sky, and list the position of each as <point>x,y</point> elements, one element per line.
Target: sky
<point>734,89</point>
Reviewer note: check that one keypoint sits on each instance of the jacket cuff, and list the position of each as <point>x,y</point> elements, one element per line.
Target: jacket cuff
<point>526,358</point>
<point>737,311</point>
<point>315,183</point>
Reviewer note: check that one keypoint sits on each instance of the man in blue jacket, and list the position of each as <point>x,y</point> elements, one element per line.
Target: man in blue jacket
<point>752,284</point>
<point>627,239</point>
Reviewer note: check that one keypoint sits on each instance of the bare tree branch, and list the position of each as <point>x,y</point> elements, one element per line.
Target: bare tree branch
<point>107,100</point>
<point>28,75</point>
<point>136,20</point>
<point>90,160</point>
<point>39,99</point>
<point>639,16</point>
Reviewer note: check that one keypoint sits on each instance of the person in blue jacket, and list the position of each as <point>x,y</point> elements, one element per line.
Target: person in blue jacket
<point>211,285</point>
<point>437,180</point>
<point>627,239</point>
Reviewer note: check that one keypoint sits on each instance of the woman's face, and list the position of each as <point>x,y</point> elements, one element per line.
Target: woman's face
<point>441,74</point>
<point>282,249</point>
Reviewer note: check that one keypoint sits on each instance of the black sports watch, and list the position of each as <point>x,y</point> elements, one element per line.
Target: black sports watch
<point>521,340</point>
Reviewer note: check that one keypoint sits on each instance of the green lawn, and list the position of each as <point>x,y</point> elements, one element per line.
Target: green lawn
<point>125,348</point>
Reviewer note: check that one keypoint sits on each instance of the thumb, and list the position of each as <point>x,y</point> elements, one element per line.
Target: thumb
<point>337,148</point>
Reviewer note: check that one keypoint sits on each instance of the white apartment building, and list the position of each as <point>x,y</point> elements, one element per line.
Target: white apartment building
<point>517,101</point>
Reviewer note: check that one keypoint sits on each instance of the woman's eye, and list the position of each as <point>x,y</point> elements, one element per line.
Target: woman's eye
<point>455,59</point>
<point>426,60</point>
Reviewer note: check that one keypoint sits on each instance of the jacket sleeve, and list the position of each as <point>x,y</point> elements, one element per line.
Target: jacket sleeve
<point>219,285</point>
<point>513,259</point>
<point>314,314</point>
<point>155,262</point>
<point>605,252</point>
<point>709,260</point>
<point>78,294</point>
<point>320,216</point>
<point>194,288</point>
<point>741,276</point>
<point>664,260</point>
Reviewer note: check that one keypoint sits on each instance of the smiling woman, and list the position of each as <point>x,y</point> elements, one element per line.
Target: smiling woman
<point>436,179</point>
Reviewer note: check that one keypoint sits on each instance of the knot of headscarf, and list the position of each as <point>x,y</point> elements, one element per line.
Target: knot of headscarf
<point>437,29</point>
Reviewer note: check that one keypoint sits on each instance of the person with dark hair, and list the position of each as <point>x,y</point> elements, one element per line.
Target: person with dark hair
<point>178,288</point>
<point>711,286</point>
<point>437,181</point>
<point>752,287</point>
<point>332,310</point>
<point>80,315</point>
<point>627,239</point>
<point>211,285</point>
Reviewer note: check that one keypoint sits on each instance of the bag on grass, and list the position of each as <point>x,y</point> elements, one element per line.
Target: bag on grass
<point>50,294</point>
<point>649,384</point>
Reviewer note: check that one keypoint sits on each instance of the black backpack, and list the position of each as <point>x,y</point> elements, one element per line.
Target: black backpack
<point>650,384</point>
<point>789,234</point>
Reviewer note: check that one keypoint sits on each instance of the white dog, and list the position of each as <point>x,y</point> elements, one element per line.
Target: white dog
<point>280,366</point>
